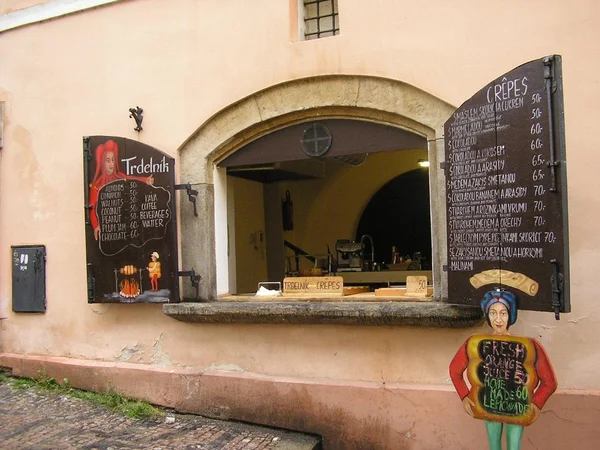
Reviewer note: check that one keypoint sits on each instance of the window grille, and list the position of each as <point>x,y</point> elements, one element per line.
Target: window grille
<point>321,19</point>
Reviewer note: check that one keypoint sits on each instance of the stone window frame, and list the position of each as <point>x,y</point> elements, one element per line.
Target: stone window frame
<point>381,100</point>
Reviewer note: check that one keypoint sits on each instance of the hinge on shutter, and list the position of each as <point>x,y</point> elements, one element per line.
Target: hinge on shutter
<point>194,278</point>
<point>87,157</point>
<point>443,165</point>
<point>557,286</point>
<point>91,284</point>
<point>191,193</point>
<point>550,88</point>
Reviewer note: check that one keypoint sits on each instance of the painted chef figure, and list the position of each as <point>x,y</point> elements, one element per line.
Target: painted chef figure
<point>154,271</point>
<point>511,377</point>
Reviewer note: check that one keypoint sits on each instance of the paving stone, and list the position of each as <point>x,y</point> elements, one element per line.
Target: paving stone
<point>34,419</point>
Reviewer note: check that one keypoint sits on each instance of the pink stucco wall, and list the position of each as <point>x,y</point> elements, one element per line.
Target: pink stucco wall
<point>346,414</point>
<point>8,6</point>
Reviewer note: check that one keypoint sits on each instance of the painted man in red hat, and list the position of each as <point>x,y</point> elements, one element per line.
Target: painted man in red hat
<point>107,170</point>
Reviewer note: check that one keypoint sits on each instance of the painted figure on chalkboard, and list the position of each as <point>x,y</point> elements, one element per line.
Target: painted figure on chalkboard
<point>107,170</point>
<point>154,271</point>
<point>511,377</point>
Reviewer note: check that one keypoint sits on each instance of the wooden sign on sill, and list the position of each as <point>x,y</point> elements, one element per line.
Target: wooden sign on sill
<point>313,286</point>
<point>416,290</point>
<point>416,286</point>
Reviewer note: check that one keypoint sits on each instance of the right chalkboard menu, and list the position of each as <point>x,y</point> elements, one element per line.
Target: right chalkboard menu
<point>506,196</point>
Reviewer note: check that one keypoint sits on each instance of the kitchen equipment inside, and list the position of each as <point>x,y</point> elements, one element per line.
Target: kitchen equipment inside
<point>333,197</point>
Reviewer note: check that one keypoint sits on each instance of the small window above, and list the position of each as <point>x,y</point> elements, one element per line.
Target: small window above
<point>321,19</point>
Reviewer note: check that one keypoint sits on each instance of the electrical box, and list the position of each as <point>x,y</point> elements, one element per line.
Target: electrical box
<point>29,278</point>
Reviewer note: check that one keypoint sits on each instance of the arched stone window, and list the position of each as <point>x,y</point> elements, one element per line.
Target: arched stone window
<point>388,102</point>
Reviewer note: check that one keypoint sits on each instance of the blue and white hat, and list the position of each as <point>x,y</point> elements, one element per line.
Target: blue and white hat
<point>508,299</point>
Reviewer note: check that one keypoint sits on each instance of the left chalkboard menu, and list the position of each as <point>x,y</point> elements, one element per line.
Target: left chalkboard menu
<point>131,240</point>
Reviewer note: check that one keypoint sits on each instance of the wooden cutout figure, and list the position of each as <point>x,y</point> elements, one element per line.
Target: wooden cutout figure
<point>154,271</point>
<point>511,377</point>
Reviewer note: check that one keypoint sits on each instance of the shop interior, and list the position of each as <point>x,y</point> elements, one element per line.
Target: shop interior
<point>336,197</point>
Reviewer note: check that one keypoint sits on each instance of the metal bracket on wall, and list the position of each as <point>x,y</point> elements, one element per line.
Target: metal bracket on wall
<point>191,193</point>
<point>137,114</point>
<point>194,278</point>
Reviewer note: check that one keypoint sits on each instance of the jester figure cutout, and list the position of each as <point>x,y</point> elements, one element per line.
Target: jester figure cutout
<point>510,376</point>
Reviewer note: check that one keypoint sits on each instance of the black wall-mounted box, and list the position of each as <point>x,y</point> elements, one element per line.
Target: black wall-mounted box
<point>28,278</point>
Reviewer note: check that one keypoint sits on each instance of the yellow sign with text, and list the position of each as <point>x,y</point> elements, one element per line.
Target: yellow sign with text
<point>313,286</point>
<point>416,286</point>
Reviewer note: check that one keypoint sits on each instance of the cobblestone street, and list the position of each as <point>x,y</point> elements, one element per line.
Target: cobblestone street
<point>34,419</point>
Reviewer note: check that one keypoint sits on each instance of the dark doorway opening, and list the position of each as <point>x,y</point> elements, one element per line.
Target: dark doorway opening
<point>399,215</point>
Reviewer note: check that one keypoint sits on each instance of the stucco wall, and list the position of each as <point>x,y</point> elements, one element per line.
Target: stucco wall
<point>78,75</point>
<point>8,6</point>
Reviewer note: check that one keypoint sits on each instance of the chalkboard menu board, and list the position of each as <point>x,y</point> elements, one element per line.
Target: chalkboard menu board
<point>131,237</point>
<point>503,376</point>
<point>506,190</point>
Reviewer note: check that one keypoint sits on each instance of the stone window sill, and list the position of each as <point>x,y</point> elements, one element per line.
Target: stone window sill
<point>381,313</point>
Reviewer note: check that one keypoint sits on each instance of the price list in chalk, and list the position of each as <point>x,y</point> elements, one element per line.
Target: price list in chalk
<point>131,213</point>
<point>501,213</point>
<point>503,375</point>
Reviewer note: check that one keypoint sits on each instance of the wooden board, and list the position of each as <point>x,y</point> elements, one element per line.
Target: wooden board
<point>366,297</point>
<point>313,286</point>
<point>353,290</point>
<point>416,286</point>
<point>402,294</point>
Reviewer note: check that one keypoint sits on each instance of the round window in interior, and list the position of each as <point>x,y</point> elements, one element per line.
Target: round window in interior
<point>316,140</point>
